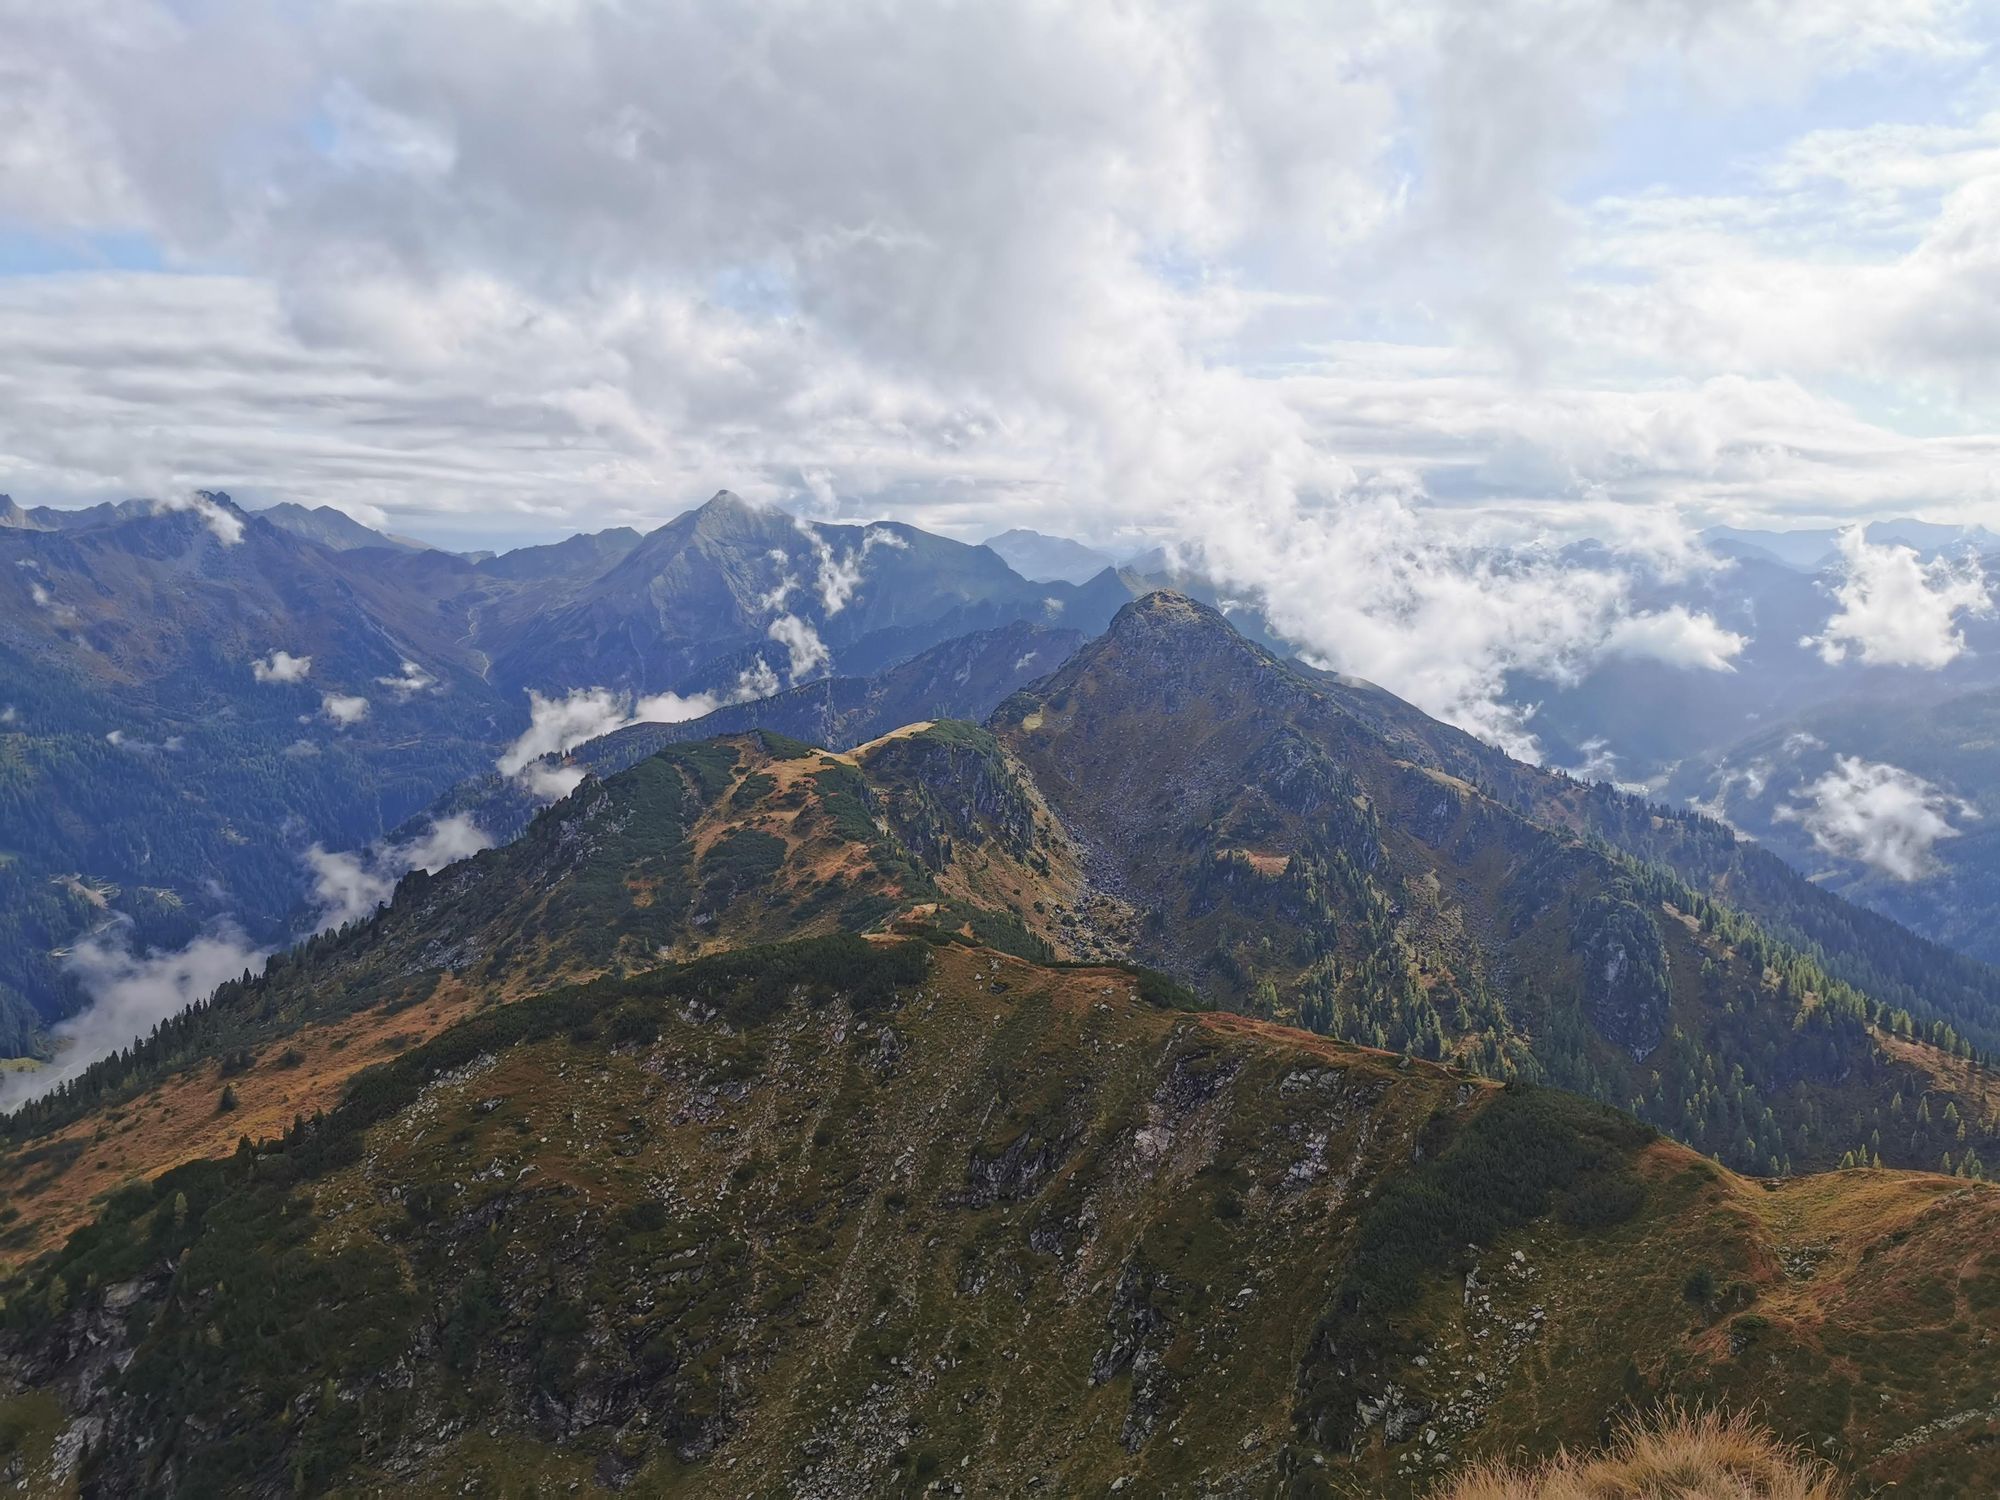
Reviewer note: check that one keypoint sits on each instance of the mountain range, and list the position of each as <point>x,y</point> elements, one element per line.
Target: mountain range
<point>193,699</point>
<point>947,1110</point>
<point>760,1006</point>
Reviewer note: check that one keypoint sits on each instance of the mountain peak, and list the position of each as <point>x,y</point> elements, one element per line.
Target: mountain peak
<point>1167,616</point>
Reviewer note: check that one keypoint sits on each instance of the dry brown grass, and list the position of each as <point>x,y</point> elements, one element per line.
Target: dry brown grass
<point>1679,1455</point>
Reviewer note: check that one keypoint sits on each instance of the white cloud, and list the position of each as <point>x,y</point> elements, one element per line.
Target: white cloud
<point>220,519</point>
<point>349,885</point>
<point>64,615</point>
<point>808,652</point>
<point>1379,587</point>
<point>343,709</point>
<point>1677,637</point>
<point>412,680</point>
<point>839,576</point>
<point>1897,610</point>
<point>1225,274</point>
<point>557,725</point>
<point>550,782</point>
<point>129,994</point>
<point>1880,815</point>
<point>281,666</point>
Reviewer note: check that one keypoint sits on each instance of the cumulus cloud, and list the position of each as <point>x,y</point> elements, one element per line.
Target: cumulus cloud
<point>558,725</point>
<point>1677,637</point>
<point>412,680</point>
<point>1377,586</point>
<point>1897,610</point>
<point>124,740</point>
<point>1226,277</point>
<point>281,666</point>
<point>348,885</point>
<point>1877,814</point>
<point>343,709</point>
<point>130,992</point>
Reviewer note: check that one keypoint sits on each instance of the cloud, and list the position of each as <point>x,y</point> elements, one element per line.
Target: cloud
<point>1375,585</point>
<point>343,709</point>
<point>412,680</point>
<point>281,666</point>
<point>1877,814</point>
<point>349,885</point>
<point>839,577</point>
<point>63,614</point>
<point>808,652</point>
<point>129,994</point>
<point>1677,637</point>
<point>1225,277</point>
<point>557,725</point>
<point>220,519</point>
<point>1896,610</point>
<point>122,740</point>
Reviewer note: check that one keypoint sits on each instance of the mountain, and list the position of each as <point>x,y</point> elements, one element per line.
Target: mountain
<point>1813,548</point>
<point>1315,850</point>
<point>189,700</point>
<point>587,554</point>
<point>613,1156</point>
<point>964,678</point>
<point>1890,804</point>
<point>1048,559</point>
<point>12,515</point>
<point>728,586</point>
<point>848,1220</point>
<point>332,528</point>
<point>193,697</point>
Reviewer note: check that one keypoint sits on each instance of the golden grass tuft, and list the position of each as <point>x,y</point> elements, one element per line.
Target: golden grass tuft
<point>1678,1455</point>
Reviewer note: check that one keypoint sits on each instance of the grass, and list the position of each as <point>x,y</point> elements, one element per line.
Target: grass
<point>1679,1455</point>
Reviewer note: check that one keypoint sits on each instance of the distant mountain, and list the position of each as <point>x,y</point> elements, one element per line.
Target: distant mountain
<point>730,585</point>
<point>963,678</point>
<point>332,528</point>
<point>1891,802</point>
<point>12,515</point>
<point>588,554</point>
<point>1044,559</point>
<point>190,701</point>
<point>1318,851</point>
<point>1813,548</point>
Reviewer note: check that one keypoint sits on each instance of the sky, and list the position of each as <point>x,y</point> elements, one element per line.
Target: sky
<point>1363,307</point>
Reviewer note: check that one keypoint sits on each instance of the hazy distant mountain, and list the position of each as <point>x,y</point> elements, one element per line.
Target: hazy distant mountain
<point>1892,801</point>
<point>729,585</point>
<point>1813,548</point>
<point>1042,559</point>
<point>585,553</point>
<point>12,515</point>
<point>332,528</point>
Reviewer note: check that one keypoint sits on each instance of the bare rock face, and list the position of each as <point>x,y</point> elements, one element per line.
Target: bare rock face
<point>1624,975</point>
